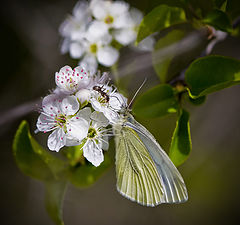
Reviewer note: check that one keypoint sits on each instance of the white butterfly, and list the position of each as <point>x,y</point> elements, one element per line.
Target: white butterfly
<point>145,173</point>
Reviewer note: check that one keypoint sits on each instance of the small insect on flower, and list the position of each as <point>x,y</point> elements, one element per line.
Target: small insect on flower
<point>102,92</point>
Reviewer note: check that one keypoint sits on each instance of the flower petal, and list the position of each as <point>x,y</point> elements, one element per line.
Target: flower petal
<point>117,101</point>
<point>93,153</point>
<point>80,10</point>
<point>89,63</point>
<point>56,140</point>
<point>85,114</point>
<point>107,56</point>
<point>50,105</point>
<point>76,50</point>
<point>105,144</point>
<point>70,105</point>
<point>146,44</point>
<point>71,141</point>
<point>118,8</point>
<point>65,46</point>
<point>99,120</point>
<point>136,16</point>
<point>45,123</point>
<point>111,115</point>
<point>99,9</point>
<point>77,128</point>
<point>96,105</point>
<point>125,36</point>
<point>122,21</point>
<point>96,30</point>
<point>78,125</point>
<point>83,95</point>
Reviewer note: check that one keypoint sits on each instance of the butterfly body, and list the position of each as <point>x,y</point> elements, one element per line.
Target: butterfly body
<point>145,173</point>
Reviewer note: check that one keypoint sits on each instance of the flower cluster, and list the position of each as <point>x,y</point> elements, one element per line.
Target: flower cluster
<point>80,111</point>
<point>89,33</point>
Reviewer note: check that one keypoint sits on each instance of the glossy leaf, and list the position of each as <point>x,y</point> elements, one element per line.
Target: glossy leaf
<point>156,102</point>
<point>86,174</point>
<point>54,195</point>
<point>32,159</point>
<point>181,141</point>
<point>159,18</point>
<point>176,49</point>
<point>212,73</point>
<point>219,20</point>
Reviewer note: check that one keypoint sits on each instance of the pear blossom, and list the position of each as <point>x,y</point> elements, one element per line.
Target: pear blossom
<point>89,32</point>
<point>70,80</point>
<point>63,118</point>
<point>128,34</point>
<point>109,107</point>
<point>74,27</point>
<point>96,140</point>
<point>113,14</point>
<point>95,48</point>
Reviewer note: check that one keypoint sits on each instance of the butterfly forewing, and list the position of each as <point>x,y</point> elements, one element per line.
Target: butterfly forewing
<point>145,173</point>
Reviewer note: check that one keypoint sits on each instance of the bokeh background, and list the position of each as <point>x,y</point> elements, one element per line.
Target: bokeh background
<point>30,56</point>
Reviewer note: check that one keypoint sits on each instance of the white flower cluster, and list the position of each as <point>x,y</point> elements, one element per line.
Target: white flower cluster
<point>80,112</point>
<point>89,33</point>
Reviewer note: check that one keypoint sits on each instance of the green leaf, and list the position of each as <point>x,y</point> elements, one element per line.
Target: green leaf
<point>159,18</point>
<point>181,141</point>
<point>212,73</point>
<point>86,174</point>
<point>54,195</point>
<point>219,20</point>
<point>156,102</point>
<point>32,159</point>
<point>74,153</point>
<point>173,52</point>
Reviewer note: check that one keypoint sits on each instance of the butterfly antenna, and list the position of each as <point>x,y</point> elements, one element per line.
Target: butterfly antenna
<point>136,93</point>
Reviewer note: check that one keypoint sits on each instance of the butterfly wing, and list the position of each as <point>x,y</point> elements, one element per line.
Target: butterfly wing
<point>145,173</point>
<point>174,188</point>
<point>137,175</point>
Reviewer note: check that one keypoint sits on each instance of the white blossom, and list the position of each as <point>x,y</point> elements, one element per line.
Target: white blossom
<point>96,139</point>
<point>127,35</point>
<point>109,105</point>
<point>95,48</point>
<point>61,116</point>
<point>89,32</point>
<point>70,80</point>
<point>114,14</point>
<point>74,27</point>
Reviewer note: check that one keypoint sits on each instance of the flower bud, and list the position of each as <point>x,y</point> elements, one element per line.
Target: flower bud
<point>83,95</point>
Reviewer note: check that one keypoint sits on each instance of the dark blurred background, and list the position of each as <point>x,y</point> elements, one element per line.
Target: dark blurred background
<point>30,56</point>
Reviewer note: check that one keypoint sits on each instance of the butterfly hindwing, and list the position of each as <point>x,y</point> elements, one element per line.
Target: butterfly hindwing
<point>172,182</point>
<point>137,176</point>
<point>145,173</point>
